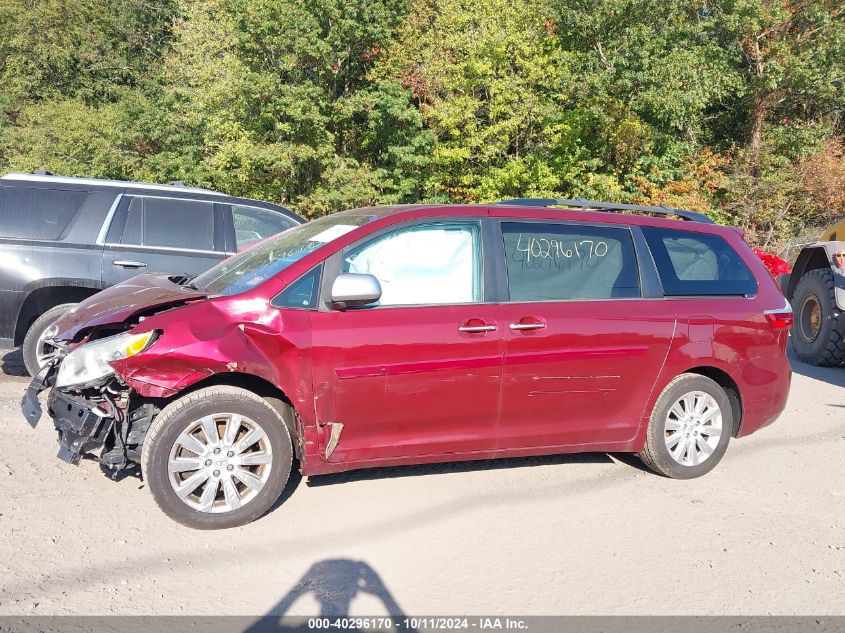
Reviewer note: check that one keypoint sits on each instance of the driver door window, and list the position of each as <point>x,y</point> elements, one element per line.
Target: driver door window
<point>434,264</point>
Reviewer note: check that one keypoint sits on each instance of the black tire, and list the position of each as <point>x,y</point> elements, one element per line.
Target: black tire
<point>822,344</point>
<point>656,455</point>
<point>178,416</point>
<point>32,340</point>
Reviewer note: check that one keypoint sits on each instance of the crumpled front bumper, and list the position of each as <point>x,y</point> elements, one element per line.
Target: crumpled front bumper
<point>30,406</point>
<point>81,426</point>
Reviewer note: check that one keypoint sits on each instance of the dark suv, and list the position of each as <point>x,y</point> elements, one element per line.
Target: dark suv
<point>418,334</point>
<point>64,239</point>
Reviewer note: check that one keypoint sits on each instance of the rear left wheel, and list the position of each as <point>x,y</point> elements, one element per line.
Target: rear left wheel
<point>217,458</point>
<point>689,428</point>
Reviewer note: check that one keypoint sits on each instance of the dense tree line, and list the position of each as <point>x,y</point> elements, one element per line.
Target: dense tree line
<point>731,107</point>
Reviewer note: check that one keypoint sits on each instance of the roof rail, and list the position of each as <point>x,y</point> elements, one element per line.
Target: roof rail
<point>101,182</point>
<point>593,205</point>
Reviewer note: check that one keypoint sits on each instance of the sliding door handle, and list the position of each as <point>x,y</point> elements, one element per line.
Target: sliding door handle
<point>527,326</point>
<point>471,329</point>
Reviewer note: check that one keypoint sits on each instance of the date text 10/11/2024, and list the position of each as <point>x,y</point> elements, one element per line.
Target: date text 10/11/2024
<point>418,623</point>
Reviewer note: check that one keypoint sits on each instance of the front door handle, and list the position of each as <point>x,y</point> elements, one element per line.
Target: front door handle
<point>527,326</point>
<point>128,264</point>
<point>477,328</point>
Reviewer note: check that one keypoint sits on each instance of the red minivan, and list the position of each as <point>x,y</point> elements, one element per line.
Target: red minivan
<point>417,334</point>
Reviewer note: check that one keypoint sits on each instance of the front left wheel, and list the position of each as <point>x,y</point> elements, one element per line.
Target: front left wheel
<point>217,458</point>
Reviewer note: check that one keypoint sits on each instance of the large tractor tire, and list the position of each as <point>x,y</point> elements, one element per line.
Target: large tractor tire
<point>818,334</point>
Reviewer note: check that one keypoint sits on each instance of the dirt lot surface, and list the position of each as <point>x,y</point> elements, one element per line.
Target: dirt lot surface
<point>590,534</point>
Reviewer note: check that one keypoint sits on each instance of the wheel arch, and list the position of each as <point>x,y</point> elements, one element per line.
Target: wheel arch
<point>819,256</point>
<point>726,382</point>
<point>262,387</point>
<point>54,292</point>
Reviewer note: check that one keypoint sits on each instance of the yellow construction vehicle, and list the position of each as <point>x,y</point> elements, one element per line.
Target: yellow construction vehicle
<point>816,290</point>
<point>832,232</point>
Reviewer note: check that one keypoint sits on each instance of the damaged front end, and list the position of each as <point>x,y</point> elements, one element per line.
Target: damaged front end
<point>93,406</point>
<point>99,414</point>
<point>125,353</point>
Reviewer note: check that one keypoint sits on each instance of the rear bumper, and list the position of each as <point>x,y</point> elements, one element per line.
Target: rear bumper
<point>765,402</point>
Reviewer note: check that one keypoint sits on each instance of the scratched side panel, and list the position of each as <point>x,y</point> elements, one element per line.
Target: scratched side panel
<point>742,344</point>
<point>585,378</point>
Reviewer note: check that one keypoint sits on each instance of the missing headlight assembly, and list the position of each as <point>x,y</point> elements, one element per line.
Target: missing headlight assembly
<point>85,420</point>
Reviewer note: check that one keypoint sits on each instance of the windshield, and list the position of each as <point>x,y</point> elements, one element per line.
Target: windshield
<point>247,270</point>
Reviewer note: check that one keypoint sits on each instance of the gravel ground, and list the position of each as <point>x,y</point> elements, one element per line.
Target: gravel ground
<point>588,534</point>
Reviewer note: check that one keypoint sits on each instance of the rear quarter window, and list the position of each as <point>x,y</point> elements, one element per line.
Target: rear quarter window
<point>253,224</point>
<point>692,264</point>
<point>37,214</point>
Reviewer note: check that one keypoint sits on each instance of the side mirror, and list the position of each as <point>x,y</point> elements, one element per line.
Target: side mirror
<point>354,289</point>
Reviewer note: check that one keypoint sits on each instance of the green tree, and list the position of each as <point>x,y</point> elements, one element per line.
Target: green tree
<point>87,49</point>
<point>732,107</point>
<point>652,82</point>
<point>277,97</point>
<point>792,57</point>
<point>492,84</point>
<point>66,69</point>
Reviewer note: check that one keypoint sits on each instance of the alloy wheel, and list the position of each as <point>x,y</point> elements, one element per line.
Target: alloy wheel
<point>220,463</point>
<point>693,428</point>
<point>44,351</point>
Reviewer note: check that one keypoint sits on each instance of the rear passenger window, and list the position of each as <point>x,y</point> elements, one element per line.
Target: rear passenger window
<point>132,230</point>
<point>560,262</point>
<point>179,223</point>
<point>698,264</point>
<point>37,214</point>
<point>163,222</point>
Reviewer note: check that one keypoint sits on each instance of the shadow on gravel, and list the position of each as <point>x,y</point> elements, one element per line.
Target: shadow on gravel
<point>11,363</point>
<point>631,459</point>
<point>334,584</point>
<point>832,375</point>
<point>290,487</point>
<point>133,471</point>
<point>418,470</point>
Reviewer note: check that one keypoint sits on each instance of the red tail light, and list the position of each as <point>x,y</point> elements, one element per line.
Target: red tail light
<point>780,319</point>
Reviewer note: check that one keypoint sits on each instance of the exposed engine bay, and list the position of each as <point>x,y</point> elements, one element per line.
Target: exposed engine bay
<point>107,417</point>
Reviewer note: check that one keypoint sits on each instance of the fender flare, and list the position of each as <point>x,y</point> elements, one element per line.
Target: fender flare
<point>821,255</point>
